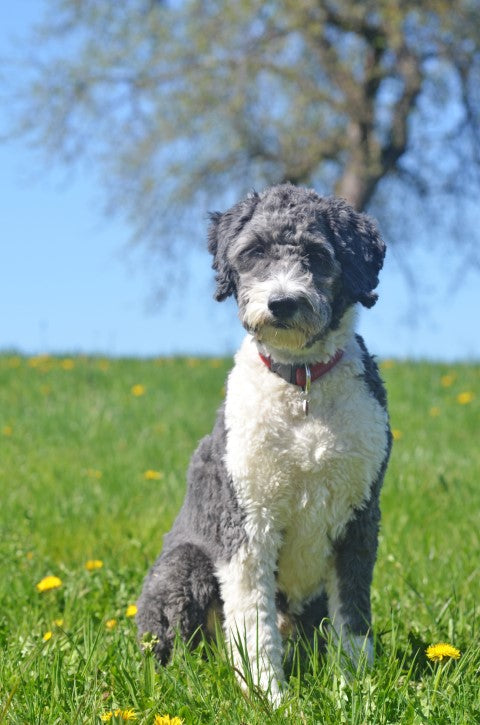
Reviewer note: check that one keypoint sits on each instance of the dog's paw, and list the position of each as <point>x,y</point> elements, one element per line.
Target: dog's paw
<point>273,688</point>
<point>354,652</point>
<point>265,684</point>
<point>358,649</point>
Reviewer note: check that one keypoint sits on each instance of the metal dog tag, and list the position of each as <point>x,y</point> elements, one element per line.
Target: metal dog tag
<point>306,390</point>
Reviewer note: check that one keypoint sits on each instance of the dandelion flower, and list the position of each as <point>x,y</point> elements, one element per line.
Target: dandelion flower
<point>68,364</point>
<point>131,610</point>
<point>7,430</point>
<point>49,582</point>
<point>447,380</point>
<point>106,717</point>
<point>434,411</point>
<point>93,473</point>
<point>465,398</point>
<point>38,361</point>
<point>125,714</point>
<point>138,390</point>
<point>151,475</point>
<point>442,651</point>
<point>111,623</point>
<point>397,434</point>
<point>47,636</point>
<point>387,364</point>
<point>93,564</point>
<point>167,720</point>
<point>58,622</point>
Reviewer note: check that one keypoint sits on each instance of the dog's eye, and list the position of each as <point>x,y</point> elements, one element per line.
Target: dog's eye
<point>253,251</point>
<point>320,259</point>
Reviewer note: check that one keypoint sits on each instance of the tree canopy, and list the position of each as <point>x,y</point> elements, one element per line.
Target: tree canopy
<point>185,104</point>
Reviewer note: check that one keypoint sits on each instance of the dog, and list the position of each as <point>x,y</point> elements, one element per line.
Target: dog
<point>280,522</point>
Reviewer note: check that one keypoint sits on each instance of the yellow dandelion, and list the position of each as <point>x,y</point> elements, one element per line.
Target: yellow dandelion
<point>49,582</point>
<point>167,720</point>
<point>442,651</point>
<point>93,564</point>
<point>447,380</point>
<point>434,411</point>
<point>465,398</point>
<point>215,362</point>
<point>67,364</point>
<point>397,434</point>
<point>151,475</point>
<point>131,610</point>
<point>106,717</point>
<point>38,361</point>
<point>111,623</point>
<point>29,555</point>
<point>93,473</point>
<point>138,390</point>
<point>7,430</point>
<point>125,714</point>
<point>387,364</point>
<point>103,365</point>
<point>47,636</point>
<point>58,622</point>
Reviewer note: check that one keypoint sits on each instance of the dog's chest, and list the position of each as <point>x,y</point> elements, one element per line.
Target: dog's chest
<point>303,474</point>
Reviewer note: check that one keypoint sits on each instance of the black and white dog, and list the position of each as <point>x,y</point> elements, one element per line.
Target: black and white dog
<point>280,520</point>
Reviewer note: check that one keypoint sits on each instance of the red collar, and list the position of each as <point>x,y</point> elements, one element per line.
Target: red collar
<point>297,374</point>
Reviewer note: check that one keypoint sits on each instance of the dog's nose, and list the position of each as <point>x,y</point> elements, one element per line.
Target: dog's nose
<point>282,307</point>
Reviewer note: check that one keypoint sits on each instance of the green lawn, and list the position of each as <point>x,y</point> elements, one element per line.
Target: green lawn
<point>89,470</point>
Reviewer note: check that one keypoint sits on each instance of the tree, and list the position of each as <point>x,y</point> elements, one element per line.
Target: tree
<point>186,104</point>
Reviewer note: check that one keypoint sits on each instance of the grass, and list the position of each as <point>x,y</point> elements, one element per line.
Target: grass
<point>76,445</point>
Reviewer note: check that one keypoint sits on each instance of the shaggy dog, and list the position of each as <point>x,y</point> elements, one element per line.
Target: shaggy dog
<point>281,515</point>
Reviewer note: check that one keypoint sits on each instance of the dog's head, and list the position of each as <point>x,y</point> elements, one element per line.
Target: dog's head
<point>295,262</point>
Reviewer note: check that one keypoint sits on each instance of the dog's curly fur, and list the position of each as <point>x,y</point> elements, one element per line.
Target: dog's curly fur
<point>281,514</point>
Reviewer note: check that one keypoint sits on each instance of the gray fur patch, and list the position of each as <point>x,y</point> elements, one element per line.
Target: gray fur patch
<point>177,596</point>
<point>210,516</point>
<point>181,587</point>
<point>356,551</point>
<point>371,375</point>
<point>355,556</point>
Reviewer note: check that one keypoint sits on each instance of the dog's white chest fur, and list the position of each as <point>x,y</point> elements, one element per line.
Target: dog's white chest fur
<point>299,477</point>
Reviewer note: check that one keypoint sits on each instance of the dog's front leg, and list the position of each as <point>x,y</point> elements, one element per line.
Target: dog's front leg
<point>349,580</point>
<point>247,586</point>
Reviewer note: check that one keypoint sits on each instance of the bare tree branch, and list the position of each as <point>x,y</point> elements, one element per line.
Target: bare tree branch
<point>177,103</point>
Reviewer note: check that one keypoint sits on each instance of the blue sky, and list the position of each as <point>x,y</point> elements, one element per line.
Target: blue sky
<point>67,283</point>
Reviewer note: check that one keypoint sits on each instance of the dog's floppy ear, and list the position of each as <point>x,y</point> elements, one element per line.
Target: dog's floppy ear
<point>224,277</point>
<point>223,230</point>
<point>360,250</point>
